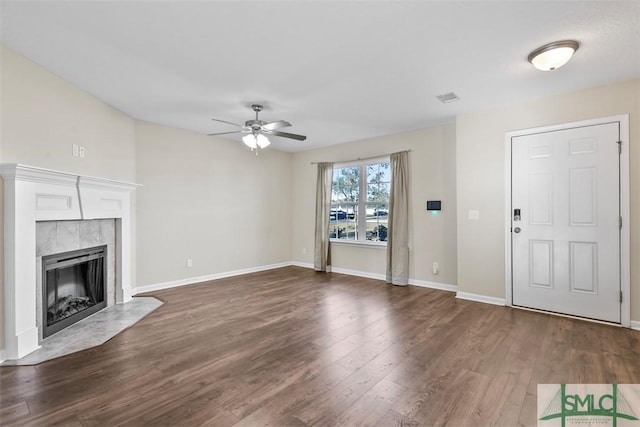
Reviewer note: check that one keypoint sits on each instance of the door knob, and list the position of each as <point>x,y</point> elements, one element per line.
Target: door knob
<point>516,230</point>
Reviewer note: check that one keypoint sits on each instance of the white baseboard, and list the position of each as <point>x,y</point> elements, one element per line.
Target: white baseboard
<point>199,279</point>
<point>2,358</point>
<point>434,285</point>
<point>357,273</point>
<point>635,324</point>
<point>302,264</point>
<point>349,272</point>
<point>375,276</point>
<point>481,298</point>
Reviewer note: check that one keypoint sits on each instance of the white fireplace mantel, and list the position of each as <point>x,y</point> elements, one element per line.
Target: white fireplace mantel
<point>34,194</point>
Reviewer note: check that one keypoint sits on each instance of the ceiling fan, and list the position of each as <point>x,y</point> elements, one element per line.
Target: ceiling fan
<point>257,130</point>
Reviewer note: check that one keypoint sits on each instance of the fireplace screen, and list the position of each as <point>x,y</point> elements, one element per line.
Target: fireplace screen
<point>74,287</point>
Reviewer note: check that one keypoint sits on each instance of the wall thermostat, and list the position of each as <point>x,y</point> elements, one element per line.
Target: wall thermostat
<point>434,205</point>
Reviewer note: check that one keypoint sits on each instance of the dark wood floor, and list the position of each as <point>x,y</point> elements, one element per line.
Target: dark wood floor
<point>291,347</point>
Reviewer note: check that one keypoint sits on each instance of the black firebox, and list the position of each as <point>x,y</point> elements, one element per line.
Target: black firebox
<point>74,286</point>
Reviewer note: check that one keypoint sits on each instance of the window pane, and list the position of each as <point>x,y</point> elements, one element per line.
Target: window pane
<point>373,174</point>
<point>379,172</point>
<point>378,177</point>
<point>343,221</point>
<point>346,184</point>
<point>378,193</point>
<point>377,222</point>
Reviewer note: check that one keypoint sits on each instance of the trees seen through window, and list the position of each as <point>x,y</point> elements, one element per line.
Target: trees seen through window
<point>360,202</point>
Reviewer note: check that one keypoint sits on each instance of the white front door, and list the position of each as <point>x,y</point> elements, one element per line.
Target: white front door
<point>565,232</point>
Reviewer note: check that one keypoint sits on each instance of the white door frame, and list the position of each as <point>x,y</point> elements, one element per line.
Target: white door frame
<point>625,250</point>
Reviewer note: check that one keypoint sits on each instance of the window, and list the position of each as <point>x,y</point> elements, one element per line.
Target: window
<point>360,201</point>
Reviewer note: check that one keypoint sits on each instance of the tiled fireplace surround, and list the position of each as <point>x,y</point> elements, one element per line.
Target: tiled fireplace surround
<point>54,237</point>
<point>46,212</point>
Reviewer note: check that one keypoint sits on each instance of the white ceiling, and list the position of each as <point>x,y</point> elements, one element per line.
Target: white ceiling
<point>338,71</point>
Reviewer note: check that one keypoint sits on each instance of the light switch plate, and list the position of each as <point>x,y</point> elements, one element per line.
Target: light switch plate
<point>474,214</point>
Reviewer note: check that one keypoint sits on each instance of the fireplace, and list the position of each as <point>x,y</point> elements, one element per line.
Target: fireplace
<point>34,197</point>
<point>74,287</point>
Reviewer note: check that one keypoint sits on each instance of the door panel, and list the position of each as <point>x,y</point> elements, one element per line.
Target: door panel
<point>541,198</point>
<point>583,267</point>
<point>541,263</point>
<point>565,257</point>
<point>582,196</point>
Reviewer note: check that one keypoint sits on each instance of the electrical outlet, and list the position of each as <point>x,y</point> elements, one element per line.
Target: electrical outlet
<point>81,151</point>
<point>436,268</point>
<point>189,262</point>
<point>304,251</point>
<point>74,150</point>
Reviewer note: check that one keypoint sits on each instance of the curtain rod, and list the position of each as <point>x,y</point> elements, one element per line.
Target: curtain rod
<point>362,158</point>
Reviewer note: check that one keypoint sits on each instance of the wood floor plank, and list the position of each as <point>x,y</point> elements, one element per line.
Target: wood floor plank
<point>528,411</point>
<point>327,407</point>
<point>293,347</point>
<point>371,408</point>
<point>10,412</point>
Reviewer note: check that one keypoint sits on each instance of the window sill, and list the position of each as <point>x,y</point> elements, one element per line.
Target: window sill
<point>365,243</point>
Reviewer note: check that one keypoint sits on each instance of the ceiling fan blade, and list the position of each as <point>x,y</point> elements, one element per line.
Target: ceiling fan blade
<point>224,133</point>
<point>288,135</point>
<point>276,125</point>
<point>224,121</point>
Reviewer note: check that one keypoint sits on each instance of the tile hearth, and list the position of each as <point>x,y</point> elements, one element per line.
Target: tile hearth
<point>92,331</point>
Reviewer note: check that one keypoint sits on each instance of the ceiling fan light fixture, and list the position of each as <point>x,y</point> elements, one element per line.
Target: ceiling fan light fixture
<point>256,131</point>
<point>553,55</point>
<point>255,140</point>
<point>262,141</point>
<point>250,141</point>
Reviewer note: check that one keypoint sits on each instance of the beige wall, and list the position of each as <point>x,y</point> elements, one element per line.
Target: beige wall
<point>41,116</point>
<point>213,201</point>
<point>433,237</point>
<point>481,177</point>
<point>208,199</point>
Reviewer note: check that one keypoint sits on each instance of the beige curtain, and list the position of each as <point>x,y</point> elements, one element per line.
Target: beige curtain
<point>398,237</point>
<point>322,254</point>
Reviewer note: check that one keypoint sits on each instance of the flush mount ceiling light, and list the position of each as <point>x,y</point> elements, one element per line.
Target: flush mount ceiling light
<point>553,55</point>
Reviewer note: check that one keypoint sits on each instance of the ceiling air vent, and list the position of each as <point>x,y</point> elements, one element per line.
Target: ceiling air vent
<point>448,97</point>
